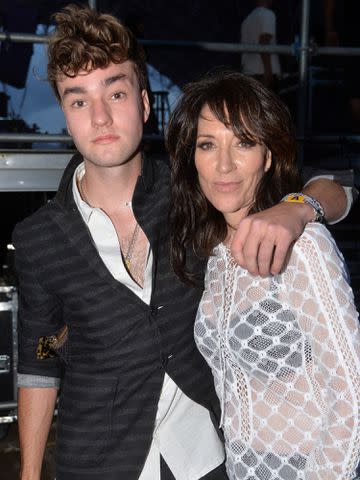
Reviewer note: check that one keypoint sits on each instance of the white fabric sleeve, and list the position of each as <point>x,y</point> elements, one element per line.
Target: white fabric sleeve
<point>330,321</point>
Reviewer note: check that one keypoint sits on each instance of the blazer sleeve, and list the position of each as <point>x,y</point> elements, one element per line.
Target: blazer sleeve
<point>40,312</point>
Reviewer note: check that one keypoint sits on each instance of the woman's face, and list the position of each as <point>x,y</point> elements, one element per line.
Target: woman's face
<point>229,170</point>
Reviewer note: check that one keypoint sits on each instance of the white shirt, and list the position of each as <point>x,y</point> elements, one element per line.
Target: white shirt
<point>260,21</point>
<point>285,354</point>
<point>183,434</point>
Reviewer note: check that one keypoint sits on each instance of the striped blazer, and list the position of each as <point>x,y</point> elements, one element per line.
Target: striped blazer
<point>118,347</point>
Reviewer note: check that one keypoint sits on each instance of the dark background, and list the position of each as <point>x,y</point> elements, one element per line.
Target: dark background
<point>189,20</point>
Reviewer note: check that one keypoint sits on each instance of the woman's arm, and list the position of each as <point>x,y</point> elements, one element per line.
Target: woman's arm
<point>329,320</point>
<point>263,241</point>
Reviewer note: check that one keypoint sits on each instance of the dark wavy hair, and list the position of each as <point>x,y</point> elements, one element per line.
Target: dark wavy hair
<point>255,114</point>
<point>86,39</point>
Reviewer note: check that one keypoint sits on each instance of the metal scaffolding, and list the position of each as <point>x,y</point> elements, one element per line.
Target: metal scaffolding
<point>302,50</point>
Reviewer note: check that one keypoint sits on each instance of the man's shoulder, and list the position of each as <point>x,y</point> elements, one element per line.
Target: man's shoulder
<point>257,17</point>
<point>43,216</point>
<point>264,11</point>
<point>260,12</point>
<point>35,223</point>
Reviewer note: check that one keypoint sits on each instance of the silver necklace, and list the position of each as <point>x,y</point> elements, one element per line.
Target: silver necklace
<point>130,250</point>
<point>127,204</point>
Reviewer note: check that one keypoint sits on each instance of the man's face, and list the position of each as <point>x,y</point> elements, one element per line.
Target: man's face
<point>105,112</point>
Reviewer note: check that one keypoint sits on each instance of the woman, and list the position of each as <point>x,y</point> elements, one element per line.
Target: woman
<point>284,350</point>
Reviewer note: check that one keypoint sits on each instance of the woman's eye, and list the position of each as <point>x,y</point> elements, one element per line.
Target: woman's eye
<point>205,145</point>
<point>246,144</point>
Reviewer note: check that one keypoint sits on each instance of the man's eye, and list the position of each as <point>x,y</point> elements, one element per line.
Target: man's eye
<point>118,95</point>
<point>78,103</point>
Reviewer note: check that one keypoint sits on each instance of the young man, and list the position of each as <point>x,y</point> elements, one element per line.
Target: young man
<point>136,398</point>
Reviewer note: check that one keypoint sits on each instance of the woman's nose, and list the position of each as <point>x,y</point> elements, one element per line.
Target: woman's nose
<point>225,161</point>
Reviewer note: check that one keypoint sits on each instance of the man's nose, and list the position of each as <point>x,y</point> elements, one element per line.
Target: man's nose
<point>101,114</point>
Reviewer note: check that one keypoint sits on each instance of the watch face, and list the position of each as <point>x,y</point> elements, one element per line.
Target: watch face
<point>303,198</point>
<point>297,198</point>
<point>294,197</point>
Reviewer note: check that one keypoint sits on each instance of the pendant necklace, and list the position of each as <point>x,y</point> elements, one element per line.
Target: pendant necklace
<point>130,250</point>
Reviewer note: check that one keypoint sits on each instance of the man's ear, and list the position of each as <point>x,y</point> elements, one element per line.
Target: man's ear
<point>268,160</point>
<point>68,129</point>
<point>66,123</point>
<point>145,105</point>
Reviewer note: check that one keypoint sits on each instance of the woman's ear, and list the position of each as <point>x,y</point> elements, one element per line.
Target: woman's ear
<point>268,160</point>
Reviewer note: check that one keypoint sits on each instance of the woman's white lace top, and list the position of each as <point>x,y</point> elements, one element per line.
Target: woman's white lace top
<point>285,354</point>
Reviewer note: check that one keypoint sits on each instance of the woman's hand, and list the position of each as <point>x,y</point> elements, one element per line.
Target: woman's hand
<point>263,240</point>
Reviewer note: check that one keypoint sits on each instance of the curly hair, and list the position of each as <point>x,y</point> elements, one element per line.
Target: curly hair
<point>255,114</point>
<point>85,39</point>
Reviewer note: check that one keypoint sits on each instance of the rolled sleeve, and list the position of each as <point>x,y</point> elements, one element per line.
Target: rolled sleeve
<point>37,381</point>
<point>39,314</point>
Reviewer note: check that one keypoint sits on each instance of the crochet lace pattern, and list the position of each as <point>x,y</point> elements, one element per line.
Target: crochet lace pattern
<point>285,355</point>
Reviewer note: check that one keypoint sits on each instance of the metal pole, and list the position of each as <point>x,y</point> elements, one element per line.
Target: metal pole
<point>49,137</point>
<point>302,100</point>
<point>92,4</point>
<point>209,46</point>
<point>23,37</point>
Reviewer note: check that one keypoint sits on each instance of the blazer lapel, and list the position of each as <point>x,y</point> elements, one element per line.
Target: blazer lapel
<point>69,219</point>
<point>73,226</point>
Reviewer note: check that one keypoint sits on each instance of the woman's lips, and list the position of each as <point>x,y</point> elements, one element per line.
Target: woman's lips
<point>226,186</point>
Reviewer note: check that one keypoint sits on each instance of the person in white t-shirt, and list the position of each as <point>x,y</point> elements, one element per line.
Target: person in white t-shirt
<point>259,28</point>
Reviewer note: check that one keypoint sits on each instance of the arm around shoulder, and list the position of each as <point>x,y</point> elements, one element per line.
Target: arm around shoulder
<point>263,241</point>
<point>332,196</point>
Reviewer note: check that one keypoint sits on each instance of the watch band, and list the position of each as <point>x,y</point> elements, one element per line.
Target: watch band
<point>300,197</point>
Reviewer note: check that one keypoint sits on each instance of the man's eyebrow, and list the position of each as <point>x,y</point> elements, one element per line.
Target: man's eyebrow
<point>76,90</point>
<point>107,82</point>
<point>115,78</point>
